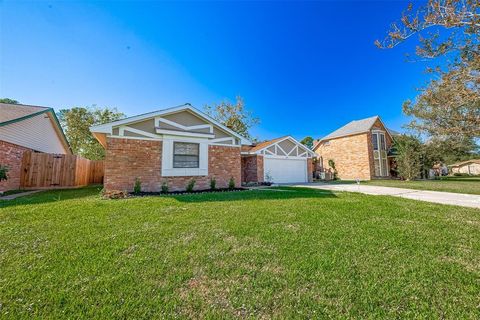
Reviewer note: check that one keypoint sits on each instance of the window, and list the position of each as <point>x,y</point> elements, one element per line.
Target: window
<point>185,155</point>
<point>382,142</point>
<point>327,143</point>
<point>380,154</point>
<point>375,141</point>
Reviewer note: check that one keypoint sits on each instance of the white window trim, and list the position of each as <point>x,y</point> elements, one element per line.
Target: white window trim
<point>167,158</point>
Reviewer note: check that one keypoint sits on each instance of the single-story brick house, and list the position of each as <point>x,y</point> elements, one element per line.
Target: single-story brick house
<point>176,145</point>
<point>27,128</point>
<point>470,167</point>
<point>359,149</point>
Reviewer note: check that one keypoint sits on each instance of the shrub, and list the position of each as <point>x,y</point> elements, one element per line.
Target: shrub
<point>191,185</point>
<point>409,157</point>
<point>213,183</point>
<point>164,187</point>
<point>231,184</point>
<point>331,164</point>
<point>137,187</point>
<point>3,173</point>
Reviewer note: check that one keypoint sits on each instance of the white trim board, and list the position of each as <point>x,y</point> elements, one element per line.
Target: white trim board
<point>108,127</point>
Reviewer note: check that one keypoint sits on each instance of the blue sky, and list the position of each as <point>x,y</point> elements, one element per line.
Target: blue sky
<point>304,68</point>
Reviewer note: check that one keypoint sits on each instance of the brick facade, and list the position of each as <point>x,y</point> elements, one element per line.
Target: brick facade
<point>252,168</point>
<point>11,156</point>
<point>310,169</point>
<point>127,159</point>
<point>353,155</point>
<point>350,154</point>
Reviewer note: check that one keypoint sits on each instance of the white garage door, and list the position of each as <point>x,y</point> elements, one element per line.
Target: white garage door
<point>285,170</point>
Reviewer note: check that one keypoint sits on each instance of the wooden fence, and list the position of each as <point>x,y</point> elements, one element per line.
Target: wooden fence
<point>45,170</point>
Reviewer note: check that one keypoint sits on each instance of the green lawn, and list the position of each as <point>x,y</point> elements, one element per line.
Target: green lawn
<point>283,253</point>
<point>449,184</point>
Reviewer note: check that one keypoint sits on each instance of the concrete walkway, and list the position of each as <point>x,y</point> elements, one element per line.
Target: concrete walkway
<point>458,199</point>
<point>18,195</point>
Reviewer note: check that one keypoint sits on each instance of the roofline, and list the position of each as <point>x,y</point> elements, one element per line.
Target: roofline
<point>458,164</point>
<point>47,110</point>
<point>107,127</point>
<point>354,134</point>
<point>24,117</point>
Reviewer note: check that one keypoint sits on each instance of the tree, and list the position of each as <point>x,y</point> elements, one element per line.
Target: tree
<point>450,30</point>
<point>76,123</point>
<point>450,149</point>
<point>308,142</point>
<point>409,156</point>
<point>233,116</point>
<point>8,100</point>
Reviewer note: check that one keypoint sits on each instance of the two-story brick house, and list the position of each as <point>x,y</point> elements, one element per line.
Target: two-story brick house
<point>359,149</point>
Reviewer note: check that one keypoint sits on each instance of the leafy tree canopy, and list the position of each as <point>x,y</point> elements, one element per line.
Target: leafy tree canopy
<point>450,30</point>
<point>76,123</point>
<point>234,116</point>
<point>8,100</point>
<point>308,142</point>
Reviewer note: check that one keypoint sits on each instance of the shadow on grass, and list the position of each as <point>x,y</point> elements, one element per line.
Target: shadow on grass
<point>52,196</point>
<point>274,193</point>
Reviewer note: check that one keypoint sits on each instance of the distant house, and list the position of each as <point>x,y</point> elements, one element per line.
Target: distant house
<point>471,167</point>
<point>27,128</point>
<point>359,149</point>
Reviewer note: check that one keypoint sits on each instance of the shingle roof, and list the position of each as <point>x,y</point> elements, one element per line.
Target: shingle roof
<point>353,127</point>
<point>261,145</point>
<point>9,112</point>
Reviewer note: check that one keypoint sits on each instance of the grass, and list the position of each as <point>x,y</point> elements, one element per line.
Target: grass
<point>469,185</point>
<point>282,253</point>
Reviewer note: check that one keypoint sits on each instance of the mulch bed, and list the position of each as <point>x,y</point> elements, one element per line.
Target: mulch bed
<point>174,193</point>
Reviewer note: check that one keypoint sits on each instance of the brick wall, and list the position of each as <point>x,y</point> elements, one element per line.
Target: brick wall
<point>127,159</point>
<point>11,156</point>
<point>310,169</point>
<point>252,168</point>
<point>351,155</point>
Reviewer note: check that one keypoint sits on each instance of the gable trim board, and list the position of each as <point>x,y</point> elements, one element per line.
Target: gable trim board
<point>107,128</point>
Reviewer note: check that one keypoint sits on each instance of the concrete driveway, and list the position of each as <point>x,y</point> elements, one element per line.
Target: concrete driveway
<point>458,199</point>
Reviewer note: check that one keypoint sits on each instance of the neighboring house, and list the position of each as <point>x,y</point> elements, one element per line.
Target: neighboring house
<point>359,149</point>
<point>27,128</point>
<point>471,167</point>
<point>281,160</point>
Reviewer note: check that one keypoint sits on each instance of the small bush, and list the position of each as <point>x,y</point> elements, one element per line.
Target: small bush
<point>3,173</point>
<point>231,183</point>
<point>191,185</point>
<point>137,187</point>
<point>213,183</point>
<point>165,187</point>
